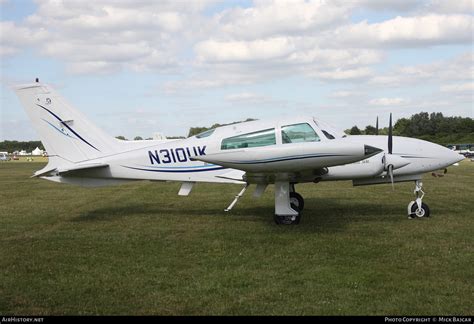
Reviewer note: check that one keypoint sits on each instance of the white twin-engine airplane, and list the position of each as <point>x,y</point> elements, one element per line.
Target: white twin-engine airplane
<point>281,152</point>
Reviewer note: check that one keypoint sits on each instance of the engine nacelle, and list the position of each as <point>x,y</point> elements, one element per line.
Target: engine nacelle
<point>367,168</point>
<point>395,160</point>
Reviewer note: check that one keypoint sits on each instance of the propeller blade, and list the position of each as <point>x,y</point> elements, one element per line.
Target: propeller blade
<point>390,172</point>
<point>390,137</point>
<point>377,126</point>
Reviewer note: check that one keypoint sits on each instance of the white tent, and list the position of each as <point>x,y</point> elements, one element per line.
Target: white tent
<point>37,151</point>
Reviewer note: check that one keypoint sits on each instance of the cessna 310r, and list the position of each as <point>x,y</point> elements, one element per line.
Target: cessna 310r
<point>279,152</point>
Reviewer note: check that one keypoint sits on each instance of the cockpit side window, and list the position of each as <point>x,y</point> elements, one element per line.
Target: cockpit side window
<point>261,138</point>
<point>327,134</point>
<point>298,133</point>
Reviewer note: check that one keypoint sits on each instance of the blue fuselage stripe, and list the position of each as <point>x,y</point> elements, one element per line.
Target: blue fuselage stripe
<point>301,157</point>
<point>66,125</point>
<point>57,128</point>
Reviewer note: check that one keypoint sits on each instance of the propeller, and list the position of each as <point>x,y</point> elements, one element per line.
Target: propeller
<point>377,126</point>
<point>390,137</point>
<point>390,149</point>
<point>392,162</point>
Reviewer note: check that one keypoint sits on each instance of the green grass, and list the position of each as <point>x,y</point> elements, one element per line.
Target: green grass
<point>140,249</point>
<point>24,158</point>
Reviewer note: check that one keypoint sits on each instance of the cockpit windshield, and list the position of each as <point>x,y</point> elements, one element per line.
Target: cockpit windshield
<point>328,130</point>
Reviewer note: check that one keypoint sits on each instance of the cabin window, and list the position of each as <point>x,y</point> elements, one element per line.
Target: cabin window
<point>261,138</point>
<point>205,133</point>
<point>298,133</point>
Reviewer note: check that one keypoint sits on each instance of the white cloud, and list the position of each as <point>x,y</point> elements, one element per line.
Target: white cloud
<point>460,92</point>
<point>232,51</point>
<point>387,101</point>
<point>13,37</point>
<point>268,40</point>
<point>459,87</point>
<point>7,50</point>
<point>273,18</point>
<point>93,67</point>
<point>108,36</point>
<point>247,98</point>
<point>343,74</point>
<point>415,31</point>
<point>336,58</point>
<point>458,68</point>
<point>344,94</point>
<point>445,6</point>
<point>385,5</point>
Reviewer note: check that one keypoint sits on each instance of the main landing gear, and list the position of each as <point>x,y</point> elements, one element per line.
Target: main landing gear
<point>288,204</point>
<point>417,208</point>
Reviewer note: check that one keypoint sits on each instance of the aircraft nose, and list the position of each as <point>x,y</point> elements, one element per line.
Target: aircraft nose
<point>456,157</point>
<point>453,157</point>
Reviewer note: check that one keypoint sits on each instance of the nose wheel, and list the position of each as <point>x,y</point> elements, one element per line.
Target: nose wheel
<point>417,208</point>
<point>424,211</point>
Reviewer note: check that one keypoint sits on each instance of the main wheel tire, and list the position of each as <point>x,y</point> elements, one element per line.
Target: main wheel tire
<point>296,201</point>
<point>287,220</point>
<point>423,212</point>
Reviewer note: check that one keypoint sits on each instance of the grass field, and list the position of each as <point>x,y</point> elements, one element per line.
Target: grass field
<point>140,249</point>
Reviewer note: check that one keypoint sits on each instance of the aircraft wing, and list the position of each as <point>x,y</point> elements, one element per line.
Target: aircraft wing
<point>237,175</point>
<point>291,159</point>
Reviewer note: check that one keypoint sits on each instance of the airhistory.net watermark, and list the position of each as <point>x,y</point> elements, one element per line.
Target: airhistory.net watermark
<point>428,319</point>
<point>19,319</point>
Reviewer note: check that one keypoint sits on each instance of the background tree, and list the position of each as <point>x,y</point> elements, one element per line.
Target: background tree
<point>355,131</point>
<point>370,130</point>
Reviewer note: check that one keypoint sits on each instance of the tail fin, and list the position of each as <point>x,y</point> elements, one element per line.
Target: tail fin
<point>64,131</point>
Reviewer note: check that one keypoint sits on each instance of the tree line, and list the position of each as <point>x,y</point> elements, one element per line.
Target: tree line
<point>192,131</point>
<point>433,127</point>
<point>196,130</point>
<point>12,146</point>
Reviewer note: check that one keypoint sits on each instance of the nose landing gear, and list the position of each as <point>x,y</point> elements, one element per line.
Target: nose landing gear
<point>417,208</point>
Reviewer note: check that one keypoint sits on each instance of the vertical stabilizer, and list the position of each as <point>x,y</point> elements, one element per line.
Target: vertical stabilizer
<point>64,131</point>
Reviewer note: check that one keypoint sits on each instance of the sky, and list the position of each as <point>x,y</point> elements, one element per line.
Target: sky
<point>137,67</point>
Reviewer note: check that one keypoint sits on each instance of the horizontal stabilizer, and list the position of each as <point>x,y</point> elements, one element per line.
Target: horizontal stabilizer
<point>71,168</point>
<point>47,169</point>
<point>81,166</point>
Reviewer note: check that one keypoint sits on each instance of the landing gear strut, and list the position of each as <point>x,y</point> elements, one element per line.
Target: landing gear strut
<point>288,204</point>
<point>417,208</point>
